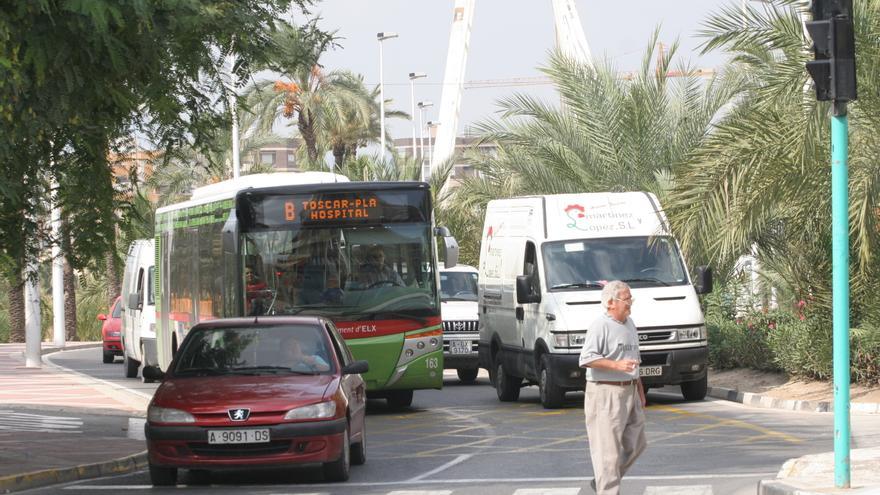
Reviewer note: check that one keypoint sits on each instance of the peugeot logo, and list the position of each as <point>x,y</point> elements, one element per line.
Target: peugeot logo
<point>643,337</point>
<point>239,414</point>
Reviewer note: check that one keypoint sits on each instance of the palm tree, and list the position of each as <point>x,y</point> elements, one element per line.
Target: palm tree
<point>762,177</point>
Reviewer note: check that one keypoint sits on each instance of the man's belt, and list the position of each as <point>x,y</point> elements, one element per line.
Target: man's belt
<point>620,384</point>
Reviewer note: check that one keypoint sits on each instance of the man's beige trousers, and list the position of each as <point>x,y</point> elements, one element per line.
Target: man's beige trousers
<point>616,430</point>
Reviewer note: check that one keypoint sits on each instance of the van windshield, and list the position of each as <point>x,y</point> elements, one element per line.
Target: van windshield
<point>458,286</point>
<point>590,263</point>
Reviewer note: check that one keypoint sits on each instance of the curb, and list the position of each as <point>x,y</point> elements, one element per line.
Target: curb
<point>775,487</point>
<point>36,479</point>
<point>766,402</point>
<point>69,347</point>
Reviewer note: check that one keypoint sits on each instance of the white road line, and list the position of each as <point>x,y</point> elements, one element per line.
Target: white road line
<point>136,429</point>
<point>48,358</point>
<point>547,491</point>
<point>679,490</point>
<point>436,470</point>
<point>420,492</point>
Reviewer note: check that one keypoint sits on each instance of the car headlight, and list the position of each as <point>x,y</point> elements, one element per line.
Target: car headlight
<point>314,411</point>
<point>156,414</point>
<point>113,334</point>
<point>694,333</point>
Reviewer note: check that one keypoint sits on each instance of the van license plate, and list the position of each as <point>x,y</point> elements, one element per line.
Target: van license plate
<point>220,437</point>
<point>651,371</point>
<point>459,346</point>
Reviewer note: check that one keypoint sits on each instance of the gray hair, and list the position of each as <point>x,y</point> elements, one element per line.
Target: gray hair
<point>612,290</point>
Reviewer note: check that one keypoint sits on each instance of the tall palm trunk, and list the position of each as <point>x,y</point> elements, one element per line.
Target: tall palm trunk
<point>306,126</point>
<point>114,278</point>
<point>69,302</point>
<point>339,155</point>
<point>16,309</point>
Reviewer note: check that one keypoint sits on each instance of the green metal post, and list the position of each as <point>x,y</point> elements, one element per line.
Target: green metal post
<point>840,295</point>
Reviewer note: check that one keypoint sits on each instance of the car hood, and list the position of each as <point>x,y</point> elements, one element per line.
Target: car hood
<point>459,310</point>
<point>206,395</point>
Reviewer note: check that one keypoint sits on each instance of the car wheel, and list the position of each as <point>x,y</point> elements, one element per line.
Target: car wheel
<point>163,476</point>
<point>359,450</point>
<point>400,399</point>
<point>339,469</point>
<point>108,357</point>
<point>468,375</point>
<point>507,386</point>
<point>695,390</point>
<point>552,395</point>
<point>129,366</point>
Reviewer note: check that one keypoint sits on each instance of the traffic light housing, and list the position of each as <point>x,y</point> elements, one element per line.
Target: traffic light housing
<point>834,67</point>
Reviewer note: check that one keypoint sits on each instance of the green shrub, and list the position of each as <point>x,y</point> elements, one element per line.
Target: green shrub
<point>803,346</point>
<point>741,343</point>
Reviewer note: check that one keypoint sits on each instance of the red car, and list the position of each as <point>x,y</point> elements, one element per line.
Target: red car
<point>110,331</point>
<point>247,392</point>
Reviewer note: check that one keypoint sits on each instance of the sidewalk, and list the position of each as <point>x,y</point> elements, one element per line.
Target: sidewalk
<point>814,474</point>
<point>57,427</point>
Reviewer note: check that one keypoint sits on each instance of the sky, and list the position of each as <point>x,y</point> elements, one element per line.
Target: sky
<point>510,39</point>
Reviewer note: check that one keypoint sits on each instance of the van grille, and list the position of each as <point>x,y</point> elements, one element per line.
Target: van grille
<point>460,326</point>
<point>661,336</point>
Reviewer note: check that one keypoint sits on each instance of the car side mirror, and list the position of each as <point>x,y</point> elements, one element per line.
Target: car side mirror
<point>704,280</point>
<point>102,317</point>
<point>356,367</point>
<point>524,292</point>
<point>153,373</point>
<point>134,301</point>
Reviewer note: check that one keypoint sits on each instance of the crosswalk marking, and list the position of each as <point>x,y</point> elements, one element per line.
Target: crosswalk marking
<point>420,492</point>
<point>16,421</point>
<point>679,490</point>
<point>547,491</point>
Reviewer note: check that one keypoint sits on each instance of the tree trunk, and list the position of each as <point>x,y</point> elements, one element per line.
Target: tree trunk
<point>16,309</point>
<point>114,280</point>
<point>307,131</point>
<point>69,302</point>
<point>339,155</point>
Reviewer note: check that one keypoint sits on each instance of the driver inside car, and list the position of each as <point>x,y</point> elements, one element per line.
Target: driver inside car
<point>374,272</point>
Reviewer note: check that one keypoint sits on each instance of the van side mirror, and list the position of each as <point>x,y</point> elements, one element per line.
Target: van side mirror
<point>153,373</point>
<point>356,368</point>
<point>134,301</point>
<point>704,280</point>
<point>524,292</point>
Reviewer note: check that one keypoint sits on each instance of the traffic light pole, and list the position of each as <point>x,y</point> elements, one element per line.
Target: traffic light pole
<point>840,294</point>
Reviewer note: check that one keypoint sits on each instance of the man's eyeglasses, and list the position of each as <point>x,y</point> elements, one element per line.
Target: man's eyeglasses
<point>628,301</point>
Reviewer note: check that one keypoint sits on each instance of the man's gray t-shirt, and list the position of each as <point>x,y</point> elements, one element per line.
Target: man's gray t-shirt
<point>608,338</point>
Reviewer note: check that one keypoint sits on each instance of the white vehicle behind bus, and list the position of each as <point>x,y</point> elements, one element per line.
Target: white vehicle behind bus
<point>543,263</point>
<point>139,307</point>
<point>458,304</point>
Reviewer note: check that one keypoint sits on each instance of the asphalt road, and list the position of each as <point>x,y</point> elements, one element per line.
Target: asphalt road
<point>461,440</point>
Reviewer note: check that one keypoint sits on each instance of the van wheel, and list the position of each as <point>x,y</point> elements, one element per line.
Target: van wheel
<point>339,469</point>
<point>468,375</point>
<point>359,450</point>
<point>695,390</point>
<point>552,395</point>
<point>507,386</point>
<point>129,366</point>
<point>108,357</point>
<point>162,476</point>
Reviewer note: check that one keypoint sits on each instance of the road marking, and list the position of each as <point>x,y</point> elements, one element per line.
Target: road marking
<point>679,490</point>
<point>136,429</point>
<point>16,421</point>
<point>420,492</point>
<point>444,467</point>
<point>735,423</point>
<point>50,359</point>
<point>547,491</point>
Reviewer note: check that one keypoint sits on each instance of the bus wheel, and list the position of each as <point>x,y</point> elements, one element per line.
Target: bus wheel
<point>507,386</point>
<point>468,375</point>
<point>552,396</point>
<point>399,399</point>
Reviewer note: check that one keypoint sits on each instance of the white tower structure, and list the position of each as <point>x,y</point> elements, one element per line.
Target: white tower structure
<point>570,40</point>
<point>453,81</point>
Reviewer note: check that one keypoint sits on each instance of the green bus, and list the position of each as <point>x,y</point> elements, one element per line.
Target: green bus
<point>311,243</point>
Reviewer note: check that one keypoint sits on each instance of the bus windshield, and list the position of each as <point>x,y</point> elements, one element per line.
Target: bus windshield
<point>590,263</point>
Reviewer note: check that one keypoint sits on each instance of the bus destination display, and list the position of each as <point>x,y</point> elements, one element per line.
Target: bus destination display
<point>336,208</point>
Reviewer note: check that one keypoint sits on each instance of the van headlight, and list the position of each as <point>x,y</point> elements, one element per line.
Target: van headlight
<point>569,339</point>
<point>693,333</point>
<point>314,411</point>
<point>156,414</point>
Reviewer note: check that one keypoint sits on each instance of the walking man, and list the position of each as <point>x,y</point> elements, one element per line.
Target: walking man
<point>614,399</point>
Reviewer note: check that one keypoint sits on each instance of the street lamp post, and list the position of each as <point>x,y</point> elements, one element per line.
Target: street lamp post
<point>431,125</point>
<point>412,106</point>
<point>382,37</point>
<point>422,106</point>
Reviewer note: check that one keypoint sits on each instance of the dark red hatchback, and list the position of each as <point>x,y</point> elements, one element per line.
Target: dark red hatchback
<point>246,393</point>
<point>110,329</point>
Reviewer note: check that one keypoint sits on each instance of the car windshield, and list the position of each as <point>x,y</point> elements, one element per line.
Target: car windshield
<point>255,350</point>
<point>117,309</point>
<point>590,263</point>
<point>458,286</point>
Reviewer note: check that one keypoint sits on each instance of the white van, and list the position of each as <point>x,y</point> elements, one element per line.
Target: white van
<point>458,306</point>
<point>139,307</point>
<point>543,263</point>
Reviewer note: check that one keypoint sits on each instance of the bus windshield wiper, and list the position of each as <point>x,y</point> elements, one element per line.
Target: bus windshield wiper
<point>646,279</point>
<point>579,285</point>
<point>397,314</point>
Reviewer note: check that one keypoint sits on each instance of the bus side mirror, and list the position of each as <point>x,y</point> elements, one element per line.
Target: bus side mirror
<point>524,292</point>
<point>704,280</point>
<point>450,247</point>
<point>230,234</point>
